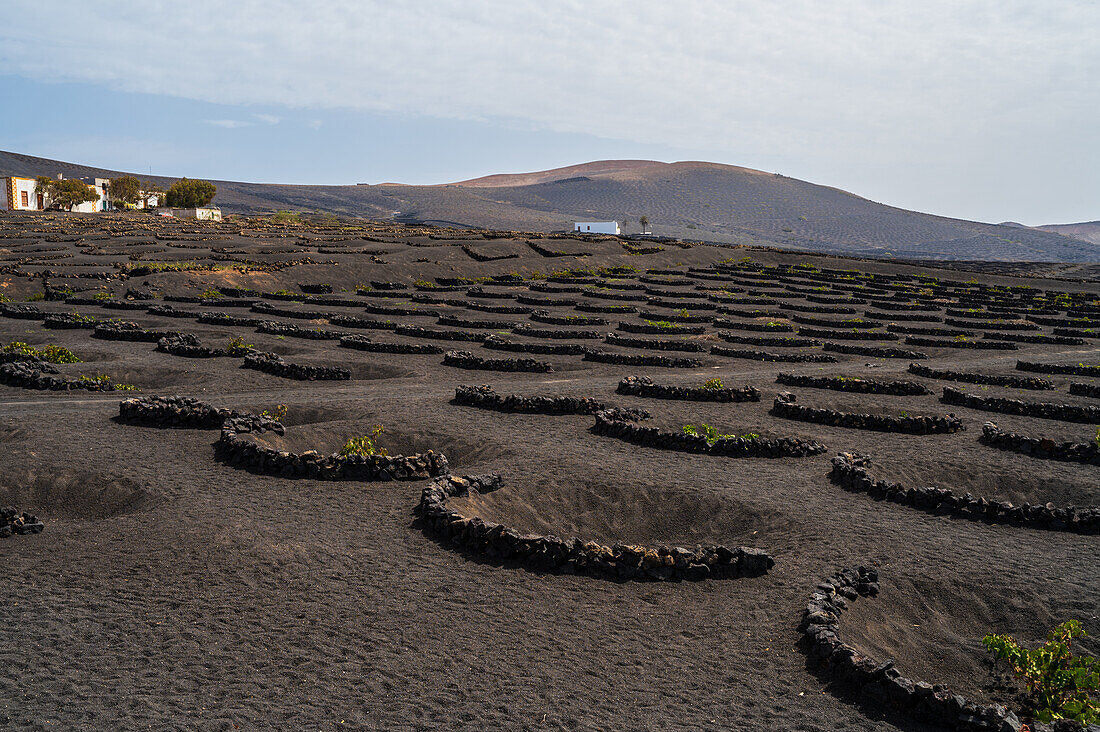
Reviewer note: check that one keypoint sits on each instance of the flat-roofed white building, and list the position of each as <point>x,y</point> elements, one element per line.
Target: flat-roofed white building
<point>202,213</point>
<point>596,227</point>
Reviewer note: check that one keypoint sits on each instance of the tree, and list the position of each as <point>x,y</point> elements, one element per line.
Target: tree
<point>44,186</point>
<point>71,192</point>
<point>186,193</point>
<point>126,189</point>
<point>644,221</point>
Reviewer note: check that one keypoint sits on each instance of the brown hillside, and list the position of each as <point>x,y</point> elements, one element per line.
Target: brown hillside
<point>687,200</point>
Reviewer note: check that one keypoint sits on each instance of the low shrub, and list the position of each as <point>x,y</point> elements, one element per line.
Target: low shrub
<point>365,445</point>
<point>714,384</point>
<point>1059,684</point>
<point>49,352</point>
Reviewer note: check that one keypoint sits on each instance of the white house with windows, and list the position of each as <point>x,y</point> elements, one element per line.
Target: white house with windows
<point>19,194</point>
<point>596,227</point>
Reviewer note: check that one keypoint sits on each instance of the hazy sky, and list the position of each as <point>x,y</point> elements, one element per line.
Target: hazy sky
<point>981,110</point>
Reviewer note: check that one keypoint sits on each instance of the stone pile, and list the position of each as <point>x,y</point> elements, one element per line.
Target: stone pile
<point>784,406</point>
<point>467,360</point>
<point>777,357</point>
<point>943,343</point>
<point>655,344</point>
<point>643,386</point>
<point>45,377</point>
<point>560,349</point>
<point>272,363</point>
<point>850,472</point>
<point>1042,410</point>
<point>874,351</point>
<point>362,343</point>
<point>123,330</point>
<point>236,449</point>
<point>484,397</point>
<point>497,542</point>
<point>641,359</point>
<point>183,412</point>
<point>881,682</point>
<point>1079,369</point>
<point>14,521</point>
<point>1080,452</point>
<point>969,377</point>
<point>622,425</point>
<point>856,385</point>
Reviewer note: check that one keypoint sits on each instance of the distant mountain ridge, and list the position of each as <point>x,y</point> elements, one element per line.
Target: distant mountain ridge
<point>690,200</point>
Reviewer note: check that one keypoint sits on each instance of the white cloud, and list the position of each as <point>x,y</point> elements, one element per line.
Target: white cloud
<point>826,84</point>
<point>229,124</point>
<point>269,119</point>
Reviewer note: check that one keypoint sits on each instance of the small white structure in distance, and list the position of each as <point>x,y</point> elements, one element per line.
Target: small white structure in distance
<point>596,227</point>
<point>202,213</point>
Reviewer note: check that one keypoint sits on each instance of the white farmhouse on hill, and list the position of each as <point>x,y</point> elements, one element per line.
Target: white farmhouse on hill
<point>202,213</point>
<point>596,227</point>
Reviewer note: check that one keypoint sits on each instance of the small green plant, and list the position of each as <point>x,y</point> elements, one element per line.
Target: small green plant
<point>750,436</point>
<point>5,298</point>
<point>421,283</point>
<point>284,291</point>
<point>1059,684</point>
<point>277,414</point>
<point>662,324</point>
<point>904,413</point>
<point>706,431</point>
<point>125,387</point>
<point>714,384</point>
<point>1096,437</point>
<point>365,445</point>
<point>212,292</point>
<point>286,217</point>
<point>683,313</point>
<point>960,338</point>
<point>237,346</point>
<point>101,296</point>
<point>49,352</point>
<point>36,297</point>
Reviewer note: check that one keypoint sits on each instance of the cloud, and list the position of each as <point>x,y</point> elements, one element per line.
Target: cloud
<point>825,87</point>
<point>229,124</point>
<point>269,119</point>
<point>698,74</point>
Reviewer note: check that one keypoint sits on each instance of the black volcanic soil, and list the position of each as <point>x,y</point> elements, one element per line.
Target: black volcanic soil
<point>170,590</point>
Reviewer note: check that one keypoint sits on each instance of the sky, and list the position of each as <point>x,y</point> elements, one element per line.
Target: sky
<point>979,110</point>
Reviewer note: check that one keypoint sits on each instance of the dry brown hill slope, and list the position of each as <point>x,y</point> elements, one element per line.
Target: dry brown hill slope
<point>689,200</point>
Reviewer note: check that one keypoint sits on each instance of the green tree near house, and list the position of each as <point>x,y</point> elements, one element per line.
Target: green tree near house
<point>68,193</point>
<point>190,193</point>
<point>44,187</point>
<point>124,190</point>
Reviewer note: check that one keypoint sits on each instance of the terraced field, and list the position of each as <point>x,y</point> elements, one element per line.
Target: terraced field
<point>698,487</point>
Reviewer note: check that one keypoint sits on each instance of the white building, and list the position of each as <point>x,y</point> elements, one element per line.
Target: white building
<point>19,195</point>
<point>596,227</point>
<point>202,213</point>
<point>99,187</point>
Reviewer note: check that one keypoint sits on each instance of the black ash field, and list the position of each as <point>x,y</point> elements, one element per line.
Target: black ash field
<point>201,574</point>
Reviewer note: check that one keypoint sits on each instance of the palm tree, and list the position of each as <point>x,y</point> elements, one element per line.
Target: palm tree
<point>644,221</point>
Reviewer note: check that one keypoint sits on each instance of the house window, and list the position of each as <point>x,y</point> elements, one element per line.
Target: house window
<point>26,200</point>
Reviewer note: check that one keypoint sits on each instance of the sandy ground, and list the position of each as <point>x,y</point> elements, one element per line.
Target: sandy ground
<point>171,591</point>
